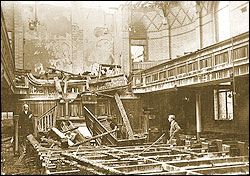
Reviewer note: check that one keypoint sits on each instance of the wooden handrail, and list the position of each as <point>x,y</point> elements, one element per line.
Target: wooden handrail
<point>53,107</point>
<point>46,120</point>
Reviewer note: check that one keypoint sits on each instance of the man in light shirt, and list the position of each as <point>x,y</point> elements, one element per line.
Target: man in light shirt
<point>174,130</point>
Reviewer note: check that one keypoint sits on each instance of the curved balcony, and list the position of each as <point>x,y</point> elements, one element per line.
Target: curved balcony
<point>213,64</point>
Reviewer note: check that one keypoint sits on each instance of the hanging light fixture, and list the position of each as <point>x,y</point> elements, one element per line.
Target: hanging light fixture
<point>34,23</point>
<point>105,28</point>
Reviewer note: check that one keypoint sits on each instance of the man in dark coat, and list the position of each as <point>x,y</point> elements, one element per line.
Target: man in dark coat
<point>25,127</point>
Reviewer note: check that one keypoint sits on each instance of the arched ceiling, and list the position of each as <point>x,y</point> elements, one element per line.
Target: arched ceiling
<point>178,13</point>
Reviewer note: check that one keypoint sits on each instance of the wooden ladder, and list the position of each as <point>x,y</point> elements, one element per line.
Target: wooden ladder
<point>124,116</point>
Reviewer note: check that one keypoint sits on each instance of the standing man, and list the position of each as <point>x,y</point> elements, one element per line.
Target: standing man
<point>174,130</point>
<point>25,126</point>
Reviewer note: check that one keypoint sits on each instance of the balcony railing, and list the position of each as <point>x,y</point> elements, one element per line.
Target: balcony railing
<point>144,65</point>
<point>218,62</point>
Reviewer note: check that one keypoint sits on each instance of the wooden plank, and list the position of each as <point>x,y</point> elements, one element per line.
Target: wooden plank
<point>141,167</point>
<point>63,172</point>
<point>35,125</point>
<point>95,137</point>
<point>160,172</point>
<point>33,141</point>
<point>212,161</point>
<point>93,164</point>
<point>99,127</point>
<point>124,116</point>
<point>224,170</point>
<point>61,135</point>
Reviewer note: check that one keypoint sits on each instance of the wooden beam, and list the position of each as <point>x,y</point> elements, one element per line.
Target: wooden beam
<point>99,127</point>
<point>141,167</point>
<point>33,141</point>
<point>243,169</point>
<point>209,161</point>
<point>93,164</point>
<point>95,137</point>
<point>124,116</point>
<point>61,135</point>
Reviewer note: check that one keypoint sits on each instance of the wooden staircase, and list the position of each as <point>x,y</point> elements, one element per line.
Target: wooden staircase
<point>124,116</point>
<point>47,120</point>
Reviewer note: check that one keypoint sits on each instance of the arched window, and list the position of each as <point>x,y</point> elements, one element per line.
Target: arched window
<point>222,20</point>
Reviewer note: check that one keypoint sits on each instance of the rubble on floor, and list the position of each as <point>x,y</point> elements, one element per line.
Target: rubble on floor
<point>208,157</point>
<point>16,165</point>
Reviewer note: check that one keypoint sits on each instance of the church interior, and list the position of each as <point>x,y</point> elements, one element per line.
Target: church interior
<point>101,79</point>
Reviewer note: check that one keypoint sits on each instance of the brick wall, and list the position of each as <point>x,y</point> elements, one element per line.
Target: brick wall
<point>240,122</point>
<point>125,40</point>
<point>8,12</point>
<point>207,28</point>
<point>242,105</point>
<point>118,37</point>
<point>18,35</point>
<point>182,40</point>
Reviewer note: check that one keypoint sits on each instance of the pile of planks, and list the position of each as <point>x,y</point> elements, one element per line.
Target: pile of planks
<point>157,159</point>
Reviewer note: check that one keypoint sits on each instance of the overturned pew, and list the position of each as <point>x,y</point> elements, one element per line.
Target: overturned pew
<point>78,134</point>
<point>65,142</point>
<point>95,137</point>
<point>96,127</point>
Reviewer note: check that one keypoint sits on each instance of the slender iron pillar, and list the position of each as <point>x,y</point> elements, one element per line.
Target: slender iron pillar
<point>198,115</point>
<point>16,119</point>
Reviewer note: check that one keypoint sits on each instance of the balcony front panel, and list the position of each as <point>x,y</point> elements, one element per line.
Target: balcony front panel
<point>216,63</point>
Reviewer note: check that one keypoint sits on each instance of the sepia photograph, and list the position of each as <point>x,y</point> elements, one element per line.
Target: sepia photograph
<point>124,87</point>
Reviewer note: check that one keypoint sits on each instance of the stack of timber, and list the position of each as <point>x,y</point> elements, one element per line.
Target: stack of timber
<point>157,159</point>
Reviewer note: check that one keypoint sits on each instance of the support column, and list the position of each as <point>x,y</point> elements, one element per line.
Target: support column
<point>81,111</point>
<point>16,119</point>
<point>169,42</point>
<point>35,125</point>
<point>67,110</point>
<point>198,114</point>
<point>198,26</point>
<point>55,115</point>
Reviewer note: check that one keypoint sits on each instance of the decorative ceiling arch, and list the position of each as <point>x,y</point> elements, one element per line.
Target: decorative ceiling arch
<point>178,15</point>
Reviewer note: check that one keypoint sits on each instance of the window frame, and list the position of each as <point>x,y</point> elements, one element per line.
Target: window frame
<point>217,106</point>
